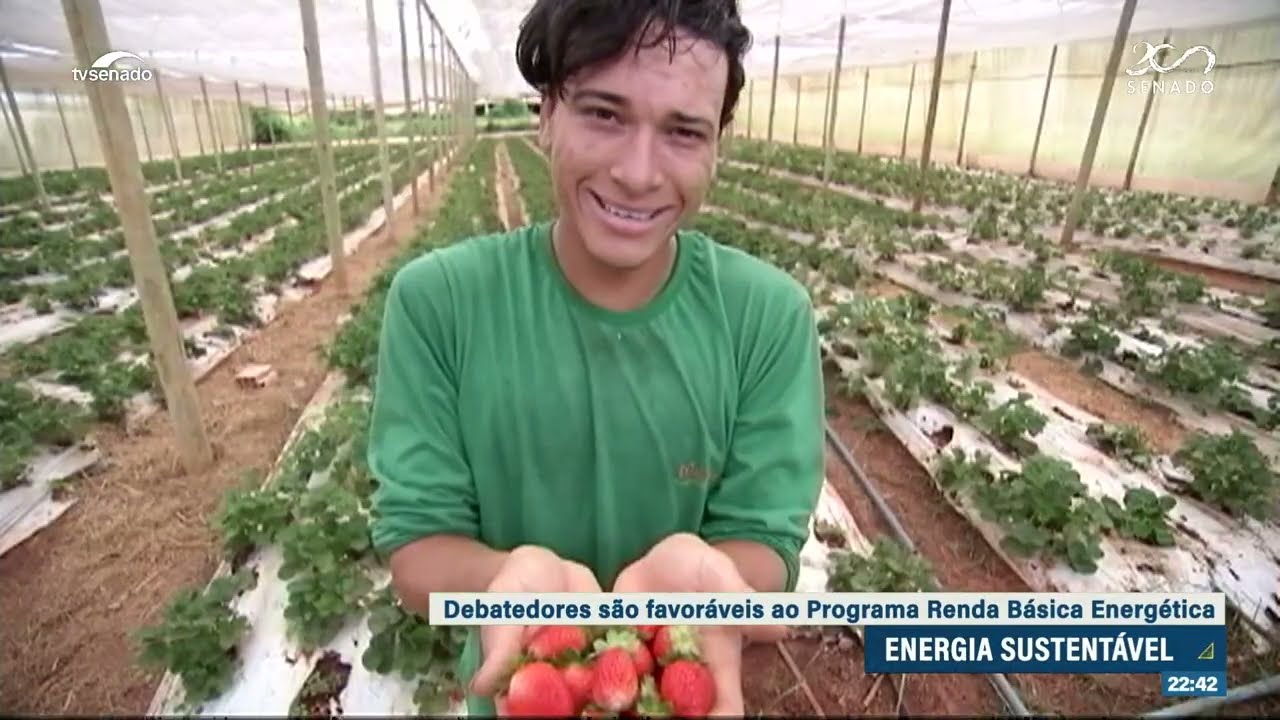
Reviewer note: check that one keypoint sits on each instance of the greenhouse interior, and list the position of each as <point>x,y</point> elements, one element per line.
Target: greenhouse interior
<point>1040,240</point>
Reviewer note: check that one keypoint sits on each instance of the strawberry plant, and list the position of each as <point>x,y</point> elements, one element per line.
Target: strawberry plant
<point>252,518</point>
<point>1229,471</point>
<point>198,637</point>
<point>890,567</point>
<point>407,645</point>
<point>1045,509</point>
<point>1090,336</point>
<point>1125,442</point>
<point>322,554</point>
<point>1143,517</point>
<point>1013,424</point>
<point>1270,310</point>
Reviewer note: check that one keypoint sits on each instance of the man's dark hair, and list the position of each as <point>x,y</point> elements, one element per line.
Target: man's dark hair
<point>560,37</point>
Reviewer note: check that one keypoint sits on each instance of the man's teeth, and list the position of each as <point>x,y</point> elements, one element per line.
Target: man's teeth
<point>627,214</point>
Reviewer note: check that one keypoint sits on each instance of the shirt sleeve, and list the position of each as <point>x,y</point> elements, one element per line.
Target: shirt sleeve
<point>774,471</point>
<point>424,484</point>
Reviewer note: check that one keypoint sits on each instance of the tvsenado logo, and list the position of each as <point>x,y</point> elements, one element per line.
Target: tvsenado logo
<point>1160,86</point>
<point>102,70</point>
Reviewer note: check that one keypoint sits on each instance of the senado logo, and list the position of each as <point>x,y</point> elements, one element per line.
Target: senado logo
<point>1150,61</point>
<point>101,70</point>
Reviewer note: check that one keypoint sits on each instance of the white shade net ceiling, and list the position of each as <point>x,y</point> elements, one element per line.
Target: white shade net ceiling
<point>261,41</point>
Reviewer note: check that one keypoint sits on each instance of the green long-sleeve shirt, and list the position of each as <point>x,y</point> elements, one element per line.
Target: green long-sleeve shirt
<point>511,410</point>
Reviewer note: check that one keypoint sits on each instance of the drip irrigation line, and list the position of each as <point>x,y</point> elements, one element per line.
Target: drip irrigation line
<point>1007,692</point>
<point>1207,705</point>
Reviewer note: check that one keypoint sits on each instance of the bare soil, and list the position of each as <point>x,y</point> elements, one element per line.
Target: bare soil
<point>510,205</point>
<point>1063,380</point>
<point>77,592</point>
<point>1217,277</point>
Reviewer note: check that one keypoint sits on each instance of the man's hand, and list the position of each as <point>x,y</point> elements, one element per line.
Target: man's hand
<point>528,569</point>
<point>686,563</point>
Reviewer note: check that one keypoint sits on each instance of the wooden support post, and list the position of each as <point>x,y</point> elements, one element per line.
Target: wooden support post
<point>25,146</point>
<point>1273,192</point>
<point>964,118</point>
<point>88,31</point>
<point>1044,105</point>
<point>13,137</point>
<point>773,87</point>
<point>244,128</point>
<point>426,100</point>
<point>862,117</point>
<point>906,120</point>
<point>1142,123</point>
<point>195,116</point>
<point>437,90</point>
<point>288,106</point>
<point>751,96</point>
<point>142,123</point>
<point>931,115</point>
<point>215,137</point>
<point>384,159</point>
<point>270,120</point>
<point>829,131</point>
<point>1099,116</point>
<point>795,125</point>
<point>169,128</point>
<point>320,118</point>
<point>826,114</point>
<point>408,106</point>
<point>66,130</point>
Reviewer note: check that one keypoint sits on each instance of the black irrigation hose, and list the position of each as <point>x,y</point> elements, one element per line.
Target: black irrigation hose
<point>1002,686</point>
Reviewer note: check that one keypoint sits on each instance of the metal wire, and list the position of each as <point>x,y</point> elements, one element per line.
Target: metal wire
<point>1009,694</point>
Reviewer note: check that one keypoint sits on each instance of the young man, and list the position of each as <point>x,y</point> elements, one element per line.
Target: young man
<point>602,401</point>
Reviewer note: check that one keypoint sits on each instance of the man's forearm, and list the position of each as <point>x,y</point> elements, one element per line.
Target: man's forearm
<point>442,563</point>
<point>758,564</point>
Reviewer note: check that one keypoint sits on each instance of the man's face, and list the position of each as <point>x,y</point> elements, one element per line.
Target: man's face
<point>633,148</point>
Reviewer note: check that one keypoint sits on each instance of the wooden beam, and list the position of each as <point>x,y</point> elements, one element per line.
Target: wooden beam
<point>244,129</point>
<point>826,114</point>
<point>170,131</point>
<point>324,153</point>
<point>964,118</point>
<point>1273,191</point>
<point>142,123</point>
<point>13,137</point>
<point>829,131</point>
<point>906,119</point>
<point>1142,123</point>
<point>25,147</point>
<point>1044,106</point>
<point>773,87</point>
<point>215,137</point>
<point>271,126</point>
<point>862,118</point>
<point>426,99</point>
<point>88,31</point>
<point>408,107</point>
<point>288,106</point>
<point>66,130</point>
<point>931,115</point>
<point>379,119</point>
<point>195,116</point>
<point>1099,116</point>
<point>795,125</point>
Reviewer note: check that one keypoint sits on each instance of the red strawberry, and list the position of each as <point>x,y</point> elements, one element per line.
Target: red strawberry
<point>646,632</point>
<point>614,684</point>
<point>628,640</point>
<point>675,642</point>
<point>689,688</point>
<point>538,690</point>
<point>578,676</point>
<point>651,703</point>
<point>558,641</point>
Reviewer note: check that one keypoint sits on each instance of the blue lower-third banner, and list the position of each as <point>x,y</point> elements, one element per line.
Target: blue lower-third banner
<point>1045,648</point>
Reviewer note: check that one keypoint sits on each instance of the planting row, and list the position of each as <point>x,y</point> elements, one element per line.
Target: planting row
<point>99,369</point>
<point>1222,228</point>
<point>1230,375</point>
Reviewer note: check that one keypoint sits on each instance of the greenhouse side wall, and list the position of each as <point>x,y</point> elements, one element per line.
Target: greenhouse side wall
<point>1224,143</point>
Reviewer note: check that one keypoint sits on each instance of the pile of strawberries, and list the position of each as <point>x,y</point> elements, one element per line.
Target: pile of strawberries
<point>646,670</point>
